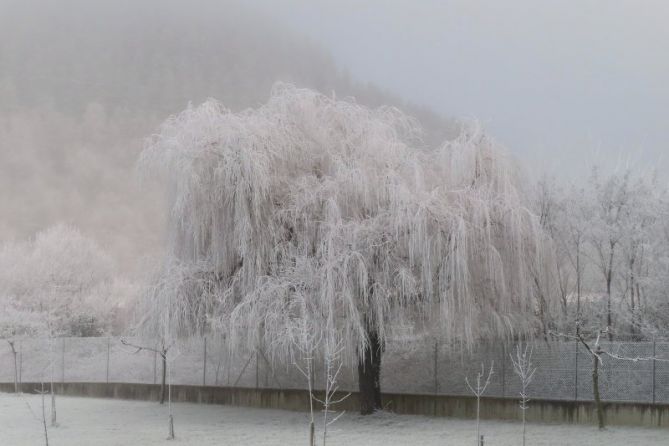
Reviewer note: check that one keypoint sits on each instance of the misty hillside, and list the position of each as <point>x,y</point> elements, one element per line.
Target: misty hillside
<point>82,83</point>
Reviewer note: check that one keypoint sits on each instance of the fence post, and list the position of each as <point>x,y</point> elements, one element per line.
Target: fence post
<point>313,375</point>
<point>155,359</point>
<point>654,370</point>
<point>20,365</point>
<point>257,369</point>
<point>503,369</point>
<point>204,364</point>
<point>63,362</point>
<point>229,360</point>
<point>108,348</point>
<point>576,372</point>
<point>436,370</point>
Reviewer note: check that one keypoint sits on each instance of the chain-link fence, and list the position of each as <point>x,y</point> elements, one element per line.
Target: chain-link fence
<point>563,368</point>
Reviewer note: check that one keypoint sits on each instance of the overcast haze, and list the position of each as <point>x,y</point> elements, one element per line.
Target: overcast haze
<point>557,82</point>
<point>562,84</point>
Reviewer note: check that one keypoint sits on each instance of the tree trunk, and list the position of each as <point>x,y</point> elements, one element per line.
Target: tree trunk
<point>16,368</point>
<point>163,388</point>
<point>578,288</point>
<point>633,330</point>
<point>170,431</point>
<point>595,391</point>
<point>369,374</point>
<point>53,406</point>
<point>16,375</point>
<point>609,279</point>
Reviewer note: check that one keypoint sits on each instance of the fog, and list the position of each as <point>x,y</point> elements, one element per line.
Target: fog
<point>83,83</point>
<point>558,82</point>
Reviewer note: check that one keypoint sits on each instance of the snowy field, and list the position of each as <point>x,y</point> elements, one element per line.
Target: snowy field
<point>87,421</point>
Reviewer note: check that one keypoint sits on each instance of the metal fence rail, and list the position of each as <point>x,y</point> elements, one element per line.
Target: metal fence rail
<point>427,367</point>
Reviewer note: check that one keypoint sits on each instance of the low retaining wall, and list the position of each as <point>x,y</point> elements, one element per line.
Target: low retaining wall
<point>543,411</point>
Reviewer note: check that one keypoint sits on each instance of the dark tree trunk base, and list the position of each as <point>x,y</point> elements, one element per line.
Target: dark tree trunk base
<point>163,387</point>
<point>595,390</point>
<point>369,375</point>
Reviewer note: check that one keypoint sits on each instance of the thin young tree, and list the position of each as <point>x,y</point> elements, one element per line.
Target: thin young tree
<point>42,417</point>
<point>306,337</point>
<point>478,388</point>
<point>170,424</point>
<point>594,348</point>
<point>333,366</point>
<point>46,430</point>
<point>52,330</point>
<point>162,351</point>
<point>346,205</point>
<point>16,325</point>
<point>524,369</point>
<point>12,346</point>
<point>168,311</point>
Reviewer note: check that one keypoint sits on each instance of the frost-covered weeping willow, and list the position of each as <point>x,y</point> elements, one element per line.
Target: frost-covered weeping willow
<point>314,207</point>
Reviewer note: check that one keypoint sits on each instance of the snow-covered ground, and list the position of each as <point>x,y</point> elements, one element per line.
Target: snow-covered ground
<point>88,421</point>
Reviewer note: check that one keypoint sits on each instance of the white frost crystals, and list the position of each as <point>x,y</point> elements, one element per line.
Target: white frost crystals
<point>308,198</point>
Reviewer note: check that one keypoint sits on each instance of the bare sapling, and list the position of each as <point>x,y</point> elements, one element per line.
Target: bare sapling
<point>15,325</point>
<point>306,344</point>
<point>46,431</point>
<point>54,421</point>
<point>595,350</point>
<point>170,430</point>
<point>12,346</point>
<point>523,367</point>
<point>165,383</point>
<point>478,389</point>
<point>162,352</point>
<point>42,417</point>
<point>333,365</point>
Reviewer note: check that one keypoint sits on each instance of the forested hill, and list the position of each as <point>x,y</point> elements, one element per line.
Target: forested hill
<point>83,82</point>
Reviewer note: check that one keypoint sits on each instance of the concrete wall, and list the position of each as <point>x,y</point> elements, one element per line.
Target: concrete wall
<point>544,411</point>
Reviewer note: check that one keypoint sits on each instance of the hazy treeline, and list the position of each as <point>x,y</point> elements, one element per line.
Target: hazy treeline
<point>83,83</point>
<point>609,263</point>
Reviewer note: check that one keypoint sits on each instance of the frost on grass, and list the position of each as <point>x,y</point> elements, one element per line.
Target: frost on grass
<point>103,422</point>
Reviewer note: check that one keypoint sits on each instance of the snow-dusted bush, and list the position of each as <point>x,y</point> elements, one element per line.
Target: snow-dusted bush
<point>63,276</point>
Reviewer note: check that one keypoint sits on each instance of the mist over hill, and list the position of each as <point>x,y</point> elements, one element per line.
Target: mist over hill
<point>83,83</point>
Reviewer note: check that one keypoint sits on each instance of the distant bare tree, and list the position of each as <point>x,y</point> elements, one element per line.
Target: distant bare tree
<point>160,351</point>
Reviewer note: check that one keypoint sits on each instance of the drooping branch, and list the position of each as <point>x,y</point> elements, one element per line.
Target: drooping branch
<point>163,351</point>
<point>343,204</point>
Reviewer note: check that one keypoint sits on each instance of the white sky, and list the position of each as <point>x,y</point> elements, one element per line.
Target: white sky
<point>561,83</point>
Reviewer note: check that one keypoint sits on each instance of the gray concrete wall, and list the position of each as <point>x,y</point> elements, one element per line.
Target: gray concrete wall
<point>544,411</point>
